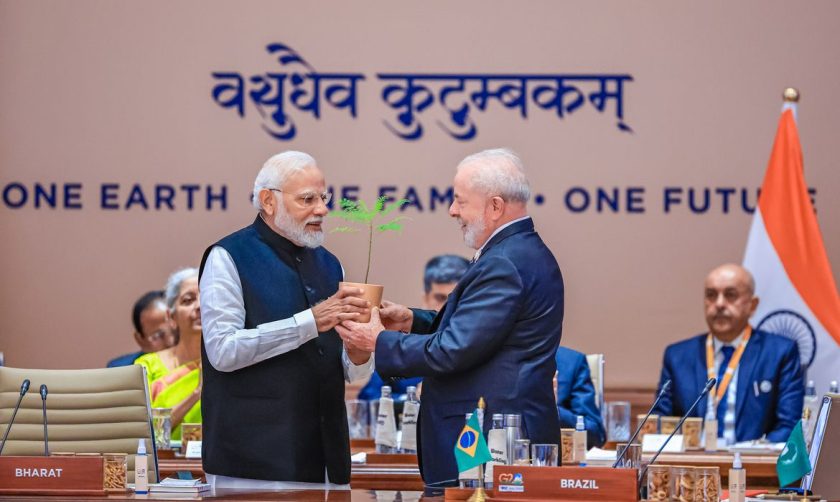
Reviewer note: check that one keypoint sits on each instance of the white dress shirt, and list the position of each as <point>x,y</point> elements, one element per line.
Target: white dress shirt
<point>230,346</point>
<point>481,249</point>
<point>729,415</point>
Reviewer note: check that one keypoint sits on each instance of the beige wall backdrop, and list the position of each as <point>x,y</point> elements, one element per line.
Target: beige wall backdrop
<point>100,92</point>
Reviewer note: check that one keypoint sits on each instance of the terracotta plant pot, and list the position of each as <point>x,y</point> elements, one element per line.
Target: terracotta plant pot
<point>372,293</point>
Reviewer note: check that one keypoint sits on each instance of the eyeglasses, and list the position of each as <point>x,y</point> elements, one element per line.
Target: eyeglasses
<point>157,335</point>
<point>309,199</point>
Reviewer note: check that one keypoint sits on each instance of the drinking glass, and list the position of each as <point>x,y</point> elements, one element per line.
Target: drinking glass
<point>521,452</point>
<point>544,454</point>
<point>357,418</point>
<point>618,421</point>
<point>373,412</point>
<point>632,457</point>
<point>162,427</point>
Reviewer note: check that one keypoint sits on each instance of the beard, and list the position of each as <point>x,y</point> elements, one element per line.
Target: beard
<point>473,230</point>
<point>297,232</point>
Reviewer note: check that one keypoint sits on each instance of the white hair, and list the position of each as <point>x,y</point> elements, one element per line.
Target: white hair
<point>499,172</point>
<point>173,284</point>
<point>277,170</point>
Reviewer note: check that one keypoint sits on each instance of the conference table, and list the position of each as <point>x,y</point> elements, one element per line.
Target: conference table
<point>384,472</point>
<point>355,495</point>
<point>400,472</point>
<point>387,478</point>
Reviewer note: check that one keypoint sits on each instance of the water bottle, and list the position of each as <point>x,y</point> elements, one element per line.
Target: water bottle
<point>386,425</point>
<point>141,465</point>
<point>579,441</point>
<point>810,410</point>
<point>411,410</point>
<point>497,444</point>
<point>513,431</point>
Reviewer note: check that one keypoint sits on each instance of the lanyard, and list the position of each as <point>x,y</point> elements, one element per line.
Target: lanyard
<point>733,363</point>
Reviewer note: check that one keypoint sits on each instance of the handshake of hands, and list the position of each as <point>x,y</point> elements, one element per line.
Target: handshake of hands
<point>342,311</point>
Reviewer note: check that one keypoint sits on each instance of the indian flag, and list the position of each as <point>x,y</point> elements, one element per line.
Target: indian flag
<point>785,253</point>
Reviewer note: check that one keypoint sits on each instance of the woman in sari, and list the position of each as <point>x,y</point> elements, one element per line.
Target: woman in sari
<point>175,373</point>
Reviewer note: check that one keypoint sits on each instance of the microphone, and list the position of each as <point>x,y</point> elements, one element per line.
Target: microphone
<point>44,408</point>
<point>665,387</point>
<point>24,387</point>
<point>709,384</point>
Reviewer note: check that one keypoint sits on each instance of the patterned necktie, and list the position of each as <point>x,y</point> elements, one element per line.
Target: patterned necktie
<point>721,409</point>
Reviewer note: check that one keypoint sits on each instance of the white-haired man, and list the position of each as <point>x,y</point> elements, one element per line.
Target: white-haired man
<point>274,369</point>
<point>497,333</point>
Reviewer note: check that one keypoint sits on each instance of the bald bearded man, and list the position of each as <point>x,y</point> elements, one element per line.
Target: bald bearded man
<point>762,394</point>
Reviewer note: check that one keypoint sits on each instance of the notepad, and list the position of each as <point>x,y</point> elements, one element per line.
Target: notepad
<point>173,485</point>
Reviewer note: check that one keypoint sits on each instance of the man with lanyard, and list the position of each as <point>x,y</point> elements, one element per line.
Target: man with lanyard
<point>760,385</point>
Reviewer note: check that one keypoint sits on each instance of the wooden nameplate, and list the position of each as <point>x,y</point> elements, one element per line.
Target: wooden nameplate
<point>460,493</point>
<point>52,476</point>
<point>521,483</point>
<point>362,444</point>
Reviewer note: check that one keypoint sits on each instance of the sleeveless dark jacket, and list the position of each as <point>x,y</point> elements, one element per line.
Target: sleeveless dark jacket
<point>281,419</point>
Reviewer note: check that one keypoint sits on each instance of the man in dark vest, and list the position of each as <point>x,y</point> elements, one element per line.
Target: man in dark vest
<point>273,366</point>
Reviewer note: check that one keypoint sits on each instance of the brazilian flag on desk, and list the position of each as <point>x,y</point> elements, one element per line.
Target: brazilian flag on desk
<point>471,448</point>
<point>794,462</point>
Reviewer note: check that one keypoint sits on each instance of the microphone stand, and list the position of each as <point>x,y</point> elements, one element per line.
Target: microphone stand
<point>23,388</point>
<point>662,392</point>
<point>709,384</point>
<point>44,408</point>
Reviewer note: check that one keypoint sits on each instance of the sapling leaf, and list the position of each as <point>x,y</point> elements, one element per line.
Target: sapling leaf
<point>358,213</point>
<point>396,205</point>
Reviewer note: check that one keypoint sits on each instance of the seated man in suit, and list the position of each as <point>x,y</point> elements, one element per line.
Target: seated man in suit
<point>760,390</point>
<point>576,395</point>
<point>439,279</point>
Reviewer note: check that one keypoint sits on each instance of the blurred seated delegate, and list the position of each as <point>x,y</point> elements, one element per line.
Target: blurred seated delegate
<point>151,328</point>
<point>175,373</point>
<point>760,388</point>
<point>399,387</point>
<point>440,276</point>
<point>576,395</point>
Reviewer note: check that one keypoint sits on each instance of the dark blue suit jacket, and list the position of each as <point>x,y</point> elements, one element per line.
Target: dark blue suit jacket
<point>495,337</point>
<point>124,360</point>
<point>399,387</point>
<point>770,365</point>
<point>576,395</point>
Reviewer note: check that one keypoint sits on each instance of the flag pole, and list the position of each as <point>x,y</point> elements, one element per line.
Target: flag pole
<point>479,495</point>
<point>790,97</point>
